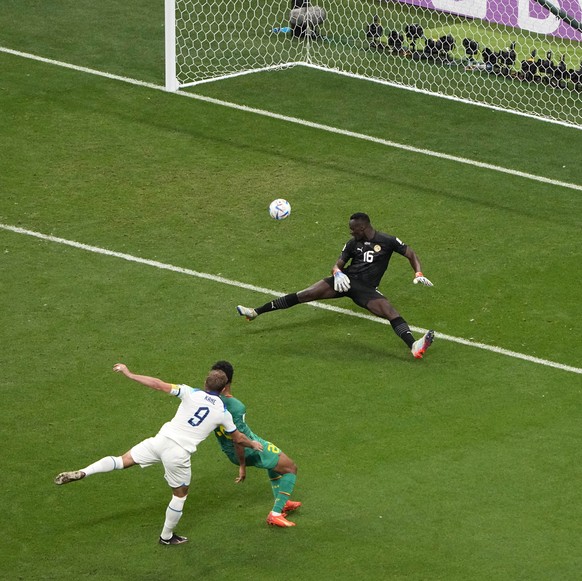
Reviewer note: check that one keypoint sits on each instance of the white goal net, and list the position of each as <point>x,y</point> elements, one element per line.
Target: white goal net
<point>518,55</point>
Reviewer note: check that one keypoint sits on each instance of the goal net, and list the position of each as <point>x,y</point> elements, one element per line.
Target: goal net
<point>523,56</point>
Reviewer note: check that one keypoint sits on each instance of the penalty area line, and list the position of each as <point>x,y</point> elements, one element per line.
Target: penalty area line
<point>238,284</point>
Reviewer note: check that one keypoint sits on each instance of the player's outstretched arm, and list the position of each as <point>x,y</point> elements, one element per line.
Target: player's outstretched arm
<point>241,442</point>
<point>242,465</point>
<point>239,438</point>
<point>341,281</point>
<point>151,382</point>
<point>337,266</point>
<point>415,263</point>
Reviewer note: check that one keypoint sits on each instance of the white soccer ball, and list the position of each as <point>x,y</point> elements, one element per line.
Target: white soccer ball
<point>280,209</point>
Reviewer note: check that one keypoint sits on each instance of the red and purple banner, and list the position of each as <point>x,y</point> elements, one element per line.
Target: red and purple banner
<point>525,14</point>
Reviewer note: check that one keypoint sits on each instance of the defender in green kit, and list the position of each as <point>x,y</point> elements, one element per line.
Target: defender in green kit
<point>281,469</point>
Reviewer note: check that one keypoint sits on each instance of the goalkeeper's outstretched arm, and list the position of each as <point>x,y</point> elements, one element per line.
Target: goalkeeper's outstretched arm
<point>415,263</point>
<point>341,281</point>
<point>338,266</point>
<point>413,259</point>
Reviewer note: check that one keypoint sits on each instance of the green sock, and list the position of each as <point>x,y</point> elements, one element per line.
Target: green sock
<point>275,477</point>
<point>286,485</point>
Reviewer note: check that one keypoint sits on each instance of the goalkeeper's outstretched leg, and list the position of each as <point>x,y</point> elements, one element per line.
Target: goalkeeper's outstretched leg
<point>357,274</point>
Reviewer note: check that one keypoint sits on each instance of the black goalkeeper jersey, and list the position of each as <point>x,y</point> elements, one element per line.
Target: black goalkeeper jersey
<point>370,258</point>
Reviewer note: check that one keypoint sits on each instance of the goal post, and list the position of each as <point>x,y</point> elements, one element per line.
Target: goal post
<point>170,45</point>
<point>523,56</point>
<point>214,39</point>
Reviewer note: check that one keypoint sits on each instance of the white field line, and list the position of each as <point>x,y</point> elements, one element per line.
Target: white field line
<point>270,292</point>
<point>439,96</point>
<point>305,123</point>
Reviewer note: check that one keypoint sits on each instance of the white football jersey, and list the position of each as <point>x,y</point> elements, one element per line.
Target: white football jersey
<point>198,415</point>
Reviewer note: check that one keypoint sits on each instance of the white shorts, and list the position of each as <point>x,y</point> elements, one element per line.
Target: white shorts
<point>175,459</point>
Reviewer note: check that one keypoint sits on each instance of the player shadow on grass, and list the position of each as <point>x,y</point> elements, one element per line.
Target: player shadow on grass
<point>136,515</point>
<point>119,515</point>
<point>360,343</point>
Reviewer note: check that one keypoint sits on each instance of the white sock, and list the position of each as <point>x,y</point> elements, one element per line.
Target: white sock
<point>173,515</point>
<point>107,464</point>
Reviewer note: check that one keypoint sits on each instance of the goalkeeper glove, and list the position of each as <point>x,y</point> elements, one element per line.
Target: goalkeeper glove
<point>420,278</point>
<point>341,282</point>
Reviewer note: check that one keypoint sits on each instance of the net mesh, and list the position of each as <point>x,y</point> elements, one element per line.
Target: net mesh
<point>513,54</point>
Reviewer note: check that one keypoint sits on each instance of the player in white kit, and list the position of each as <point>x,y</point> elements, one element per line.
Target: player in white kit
<point>199,414</point>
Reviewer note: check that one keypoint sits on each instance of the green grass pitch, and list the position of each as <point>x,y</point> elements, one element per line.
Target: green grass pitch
<point>465,465</point>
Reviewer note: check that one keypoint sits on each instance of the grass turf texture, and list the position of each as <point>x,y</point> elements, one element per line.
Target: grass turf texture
<point>459,466</point>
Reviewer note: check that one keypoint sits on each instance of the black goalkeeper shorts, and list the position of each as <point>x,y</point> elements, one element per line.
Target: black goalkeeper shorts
<point>359,292</point>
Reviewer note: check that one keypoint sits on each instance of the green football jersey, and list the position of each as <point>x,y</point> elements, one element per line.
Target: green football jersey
<point>238,411</point>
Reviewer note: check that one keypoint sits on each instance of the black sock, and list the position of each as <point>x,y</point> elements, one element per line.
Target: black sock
<point>280,303</point>
<point>402,329</point>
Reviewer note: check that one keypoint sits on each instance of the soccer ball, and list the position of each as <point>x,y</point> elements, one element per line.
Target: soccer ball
<point>280,209</point>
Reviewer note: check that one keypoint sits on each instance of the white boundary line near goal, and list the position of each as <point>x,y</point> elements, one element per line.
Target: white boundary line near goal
<point>302,122</point>
<point>386,83</point>
<point>388,143</point>
<point>441,96</point>
<point>327,307</point>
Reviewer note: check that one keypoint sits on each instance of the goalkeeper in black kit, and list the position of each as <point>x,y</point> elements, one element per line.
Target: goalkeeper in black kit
<point>369,252</point>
